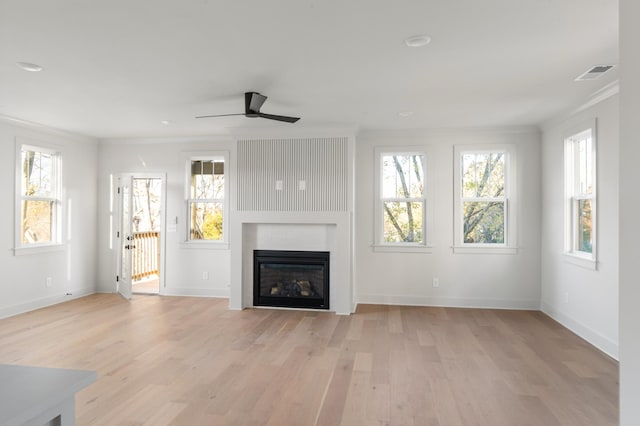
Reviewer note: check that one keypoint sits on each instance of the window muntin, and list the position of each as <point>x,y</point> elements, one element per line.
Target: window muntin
<point>402,198</point>
<point>483,197</point>
<point>38,197</point>
<point>580,167</point>
<point>206,199</point>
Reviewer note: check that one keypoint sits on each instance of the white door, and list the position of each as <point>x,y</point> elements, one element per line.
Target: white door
<point>125,236</point>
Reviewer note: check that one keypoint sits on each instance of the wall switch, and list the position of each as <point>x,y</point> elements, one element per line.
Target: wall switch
<point>205,275</point>
<point>565,297</point>
<point>302,185</point>
<point>436,282</point>
<point>278,185</point>
<point>49,281</point>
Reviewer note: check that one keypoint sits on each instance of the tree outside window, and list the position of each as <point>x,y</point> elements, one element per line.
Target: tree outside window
<point>39,203</point>
<point>483,197</point>
<point>580,169</point>
<point>206,199</point>
<point>403,198</point>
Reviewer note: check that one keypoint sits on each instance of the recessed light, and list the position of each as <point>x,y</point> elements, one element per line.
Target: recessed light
<point>405,113</point>
<point>165,122</point>
<point>417,40</point>
<point>27,66</point>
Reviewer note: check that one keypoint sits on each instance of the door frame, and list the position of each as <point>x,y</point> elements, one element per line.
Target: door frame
<point>163,223</point>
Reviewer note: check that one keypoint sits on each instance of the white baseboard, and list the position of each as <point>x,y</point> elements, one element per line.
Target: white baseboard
<point>196,292</point>
<point>601,342</point>
<point>389,299</point>
<point>32,305</point>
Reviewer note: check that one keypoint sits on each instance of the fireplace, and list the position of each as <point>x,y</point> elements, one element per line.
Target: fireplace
<point>293,279</point>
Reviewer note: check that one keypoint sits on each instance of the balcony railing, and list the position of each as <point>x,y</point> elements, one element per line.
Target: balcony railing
<point>146,255</point>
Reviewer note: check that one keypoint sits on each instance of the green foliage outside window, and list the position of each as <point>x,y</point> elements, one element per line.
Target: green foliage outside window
<point>207,198</point>
<point>402,183</point>
<point>483,195</point>
<point>38,197</point>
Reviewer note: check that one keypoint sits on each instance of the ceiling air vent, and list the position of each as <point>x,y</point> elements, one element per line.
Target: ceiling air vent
<point>594,72</point>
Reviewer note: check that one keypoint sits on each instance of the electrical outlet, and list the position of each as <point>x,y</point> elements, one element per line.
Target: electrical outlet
<point>565,296</point>
<point>302,185</point>
<point>436,282</point>
<point>278,185</point>
<point>205,275</point>
<point>49,281</point>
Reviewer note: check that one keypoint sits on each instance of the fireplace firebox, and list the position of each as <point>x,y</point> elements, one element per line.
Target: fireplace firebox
<point>293,279</point>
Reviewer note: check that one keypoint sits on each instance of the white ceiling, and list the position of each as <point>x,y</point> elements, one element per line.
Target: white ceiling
<point>116,68</point>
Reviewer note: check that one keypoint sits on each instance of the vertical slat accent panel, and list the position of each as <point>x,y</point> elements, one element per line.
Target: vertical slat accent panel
<point>321,162</point>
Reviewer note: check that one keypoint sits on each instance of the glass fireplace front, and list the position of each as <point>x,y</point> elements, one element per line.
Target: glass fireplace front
<point>293,279</point>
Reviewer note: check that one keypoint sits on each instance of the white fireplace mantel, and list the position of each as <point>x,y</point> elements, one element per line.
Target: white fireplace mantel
<point>323,231</point>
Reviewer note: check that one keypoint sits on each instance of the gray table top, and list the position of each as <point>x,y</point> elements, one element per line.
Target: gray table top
<point>27,391</point>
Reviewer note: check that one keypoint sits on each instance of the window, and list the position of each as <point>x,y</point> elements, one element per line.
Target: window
<point>206,199</point>
<point>580,194</point>
<point>483,201</point>
<point>38,201</point>
<point>401,210</point>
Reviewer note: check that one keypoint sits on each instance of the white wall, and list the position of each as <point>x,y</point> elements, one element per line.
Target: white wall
<point>184,265</point>
<point>72,269</point>
<point>629,208</point>
<point>479,280</point>
<point>583,300</point>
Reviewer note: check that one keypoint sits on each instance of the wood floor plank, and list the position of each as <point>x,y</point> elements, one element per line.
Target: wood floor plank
<point>191,361</point>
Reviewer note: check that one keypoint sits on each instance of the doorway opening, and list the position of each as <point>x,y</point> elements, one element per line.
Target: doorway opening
<point>146,210</point>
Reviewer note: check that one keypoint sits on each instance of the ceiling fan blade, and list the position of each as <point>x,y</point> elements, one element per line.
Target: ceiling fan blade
<point>278,117</point>
<point>253,102</point>
<point>218,115</point>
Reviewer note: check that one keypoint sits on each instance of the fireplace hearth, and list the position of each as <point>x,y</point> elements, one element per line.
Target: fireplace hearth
<point>292,279</point>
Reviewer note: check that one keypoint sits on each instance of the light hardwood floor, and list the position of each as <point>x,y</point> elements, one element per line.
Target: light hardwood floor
<point>190,361</point>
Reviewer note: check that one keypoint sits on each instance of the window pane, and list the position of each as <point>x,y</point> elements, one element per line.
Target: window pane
<point>206,221</point>
<point>402,222</point>
<point>37,174</point>
<point>37,218</point>
<point>585,172</point>
<point>402,176</point>
<point>483,174</point>
<point>207,179</point>
<point>585,226</point>
<point>484,222</point>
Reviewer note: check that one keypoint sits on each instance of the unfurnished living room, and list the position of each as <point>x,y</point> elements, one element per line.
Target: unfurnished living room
<point>319,212</point>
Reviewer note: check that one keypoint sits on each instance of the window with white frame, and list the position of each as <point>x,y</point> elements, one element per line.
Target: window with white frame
<point>206,199</point>
<point>38,204</point>
<point>401,207</point>
<point>580,194</point>
<point>484,201</point>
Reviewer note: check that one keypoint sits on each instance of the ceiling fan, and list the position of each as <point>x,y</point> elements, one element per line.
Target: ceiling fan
<point>252,103</point>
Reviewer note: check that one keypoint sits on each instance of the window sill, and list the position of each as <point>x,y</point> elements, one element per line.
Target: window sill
<point>48,248</point>
<point>484,250</point>
<point>204,245</point>
<point>401,248</point>
<point>581,261</point>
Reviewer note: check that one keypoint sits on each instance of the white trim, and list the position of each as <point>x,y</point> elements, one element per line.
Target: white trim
<point>570,136</point>
<point>197,292</point>
<point>204,245</point>
<point>580,260</point>
<point>58,225</point>
<point>415,300</point>
<point>428,208</point>
<point>510,200</point>
<point>213,155</point>
<point>485,249</point>
<point>402,248</point>
<point>598,96</point>
<point>38,248</point>
<point>43,302</point>
<point>601,342</point>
